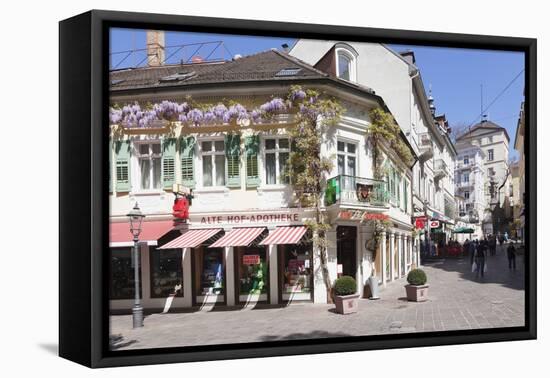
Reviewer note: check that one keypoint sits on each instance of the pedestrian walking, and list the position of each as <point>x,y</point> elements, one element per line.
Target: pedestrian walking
<point>472,250</point>
<point>511,251</point>
<point>493,245</point>
<point>481,251</point>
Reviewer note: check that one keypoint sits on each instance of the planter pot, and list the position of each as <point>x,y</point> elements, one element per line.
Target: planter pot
<point>417,293</point>
<point>373,283</point>
<point>346,304</point>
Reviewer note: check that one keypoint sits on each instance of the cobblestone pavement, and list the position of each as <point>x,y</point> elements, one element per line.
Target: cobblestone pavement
<point>458,300</point>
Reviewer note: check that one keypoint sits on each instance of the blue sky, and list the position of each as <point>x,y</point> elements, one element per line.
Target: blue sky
<point>455,75</point>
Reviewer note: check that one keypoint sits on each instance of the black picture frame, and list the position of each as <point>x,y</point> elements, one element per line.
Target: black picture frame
<point>83,195</point>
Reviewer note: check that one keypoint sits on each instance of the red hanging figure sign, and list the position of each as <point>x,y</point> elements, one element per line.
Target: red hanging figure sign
<point>180,210</point>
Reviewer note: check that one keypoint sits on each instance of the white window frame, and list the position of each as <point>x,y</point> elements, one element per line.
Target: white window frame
<point>202,154</point>
<point>348,53</point>
<point>467,194</point>
<point>138,156</point>
<point>276,151</point>
<point>490,155</point>
<point>347,154</point>
<point>466,160</point>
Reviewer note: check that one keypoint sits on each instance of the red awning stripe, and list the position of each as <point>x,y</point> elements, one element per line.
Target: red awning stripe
<point>238,237</point>
<point>285,235</point>
<point>119,232</point>
<point>191,238</point>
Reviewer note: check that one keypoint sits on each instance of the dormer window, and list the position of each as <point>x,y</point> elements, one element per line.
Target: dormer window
<point>346,64</point>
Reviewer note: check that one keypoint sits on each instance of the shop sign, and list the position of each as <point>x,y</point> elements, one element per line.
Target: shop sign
<point>434,224</point>
<point>351,214</point>
<point>251,259</point>
<point>376,216</point>
<point>420,223</point>
<point>254,218</point>
<point>363,191</point>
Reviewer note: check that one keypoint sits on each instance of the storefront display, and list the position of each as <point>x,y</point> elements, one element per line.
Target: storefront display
<point>209,273</point>
<point>296,271</point>
<point>252,276</point>
<point>166,272</point>
<point>122,274</point>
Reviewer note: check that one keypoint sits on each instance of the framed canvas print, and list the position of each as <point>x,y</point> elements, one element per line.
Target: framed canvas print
<point>234,188</point>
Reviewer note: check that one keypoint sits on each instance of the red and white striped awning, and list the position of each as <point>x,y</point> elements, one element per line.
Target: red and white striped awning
<point>285,235</point>
<point>238,237</point>
<point>191,238</point>
<point>151,231</point>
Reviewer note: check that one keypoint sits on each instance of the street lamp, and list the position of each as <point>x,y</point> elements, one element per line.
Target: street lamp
<point>136,217</point>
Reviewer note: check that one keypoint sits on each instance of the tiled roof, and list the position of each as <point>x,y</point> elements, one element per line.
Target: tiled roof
<point>265,65</point>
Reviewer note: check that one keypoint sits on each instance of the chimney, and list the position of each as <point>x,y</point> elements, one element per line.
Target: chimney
<point>155,48</point>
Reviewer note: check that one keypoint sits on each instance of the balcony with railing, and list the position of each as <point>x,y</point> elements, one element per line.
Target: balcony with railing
<point>425,145</point>
<point>465,184</point>
<point>356,191</point>
<point>440,169</point>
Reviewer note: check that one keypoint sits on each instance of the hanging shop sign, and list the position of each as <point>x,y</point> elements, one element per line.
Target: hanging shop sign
<point>364,191</point>
<point>251,259</point>
<point>434,224</point>
<point>420,223</point>
<point>248,218</point>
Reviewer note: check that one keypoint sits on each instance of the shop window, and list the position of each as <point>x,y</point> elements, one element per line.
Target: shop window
<point>297,268</point>
<point>209,268</point>
<point>122,274</point>
<point>277,152</point>
<point>149,161</point>
<point>166,272</point>
<point>253,279</point>
<point>213,163</point>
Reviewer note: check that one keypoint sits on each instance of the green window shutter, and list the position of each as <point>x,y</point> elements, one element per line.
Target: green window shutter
<point>233,153</point>
<point>110,159</point>
<point>252,148</point>
<point>187,154</point>
<point>122,151</point>
<point>398,189</point>
<point>168,162</point>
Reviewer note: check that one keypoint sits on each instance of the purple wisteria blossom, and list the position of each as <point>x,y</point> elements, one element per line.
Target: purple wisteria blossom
<point>275,105</point>
<point>195,116</point>
<point>297,95</point>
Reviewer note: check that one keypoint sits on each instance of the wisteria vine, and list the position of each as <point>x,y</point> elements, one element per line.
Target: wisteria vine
<point>133,115</point>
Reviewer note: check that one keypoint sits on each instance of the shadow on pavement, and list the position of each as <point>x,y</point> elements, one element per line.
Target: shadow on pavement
<point>497,270</point>
<point>309,335</point>
<point>118,341</point>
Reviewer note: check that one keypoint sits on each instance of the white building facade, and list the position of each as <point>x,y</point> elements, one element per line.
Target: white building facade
<point>396,78</point>
<point>246,239</point>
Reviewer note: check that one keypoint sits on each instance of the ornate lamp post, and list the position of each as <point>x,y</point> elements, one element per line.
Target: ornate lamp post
<point>136,217</point>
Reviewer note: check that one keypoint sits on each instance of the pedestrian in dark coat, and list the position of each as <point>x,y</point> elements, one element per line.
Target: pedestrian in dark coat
<point>481,252</point>
<point>511,252</point>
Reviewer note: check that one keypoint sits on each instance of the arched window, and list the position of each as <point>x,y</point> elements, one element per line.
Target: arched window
<point>346,64</point>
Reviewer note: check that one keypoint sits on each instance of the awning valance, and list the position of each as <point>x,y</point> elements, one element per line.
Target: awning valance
<point>150,231</point>
<point>238,237</point>
<point>285,235</point>
<point>191,238</point>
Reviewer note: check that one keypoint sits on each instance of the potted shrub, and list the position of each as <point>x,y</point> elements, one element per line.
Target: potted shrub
<point>346,297</point>
<point>417,290</point>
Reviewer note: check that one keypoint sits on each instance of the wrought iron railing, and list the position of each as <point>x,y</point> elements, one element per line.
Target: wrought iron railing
<point>344,189</point>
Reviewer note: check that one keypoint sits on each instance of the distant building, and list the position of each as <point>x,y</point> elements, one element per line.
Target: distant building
<point>470,184</point>
<point>494,142</point>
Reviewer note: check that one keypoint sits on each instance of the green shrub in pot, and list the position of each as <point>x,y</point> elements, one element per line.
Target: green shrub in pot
<point>417,277</point>
<point>345,285</point>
